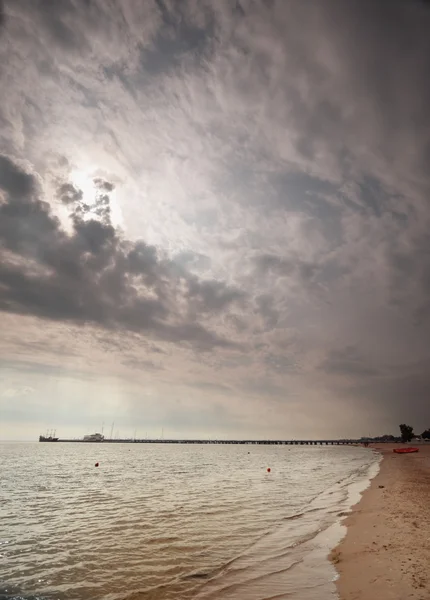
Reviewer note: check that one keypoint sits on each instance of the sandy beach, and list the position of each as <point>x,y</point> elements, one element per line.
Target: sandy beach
<point>386,552</point>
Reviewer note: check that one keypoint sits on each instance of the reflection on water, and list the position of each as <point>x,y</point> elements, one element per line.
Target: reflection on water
<point>155,522</point>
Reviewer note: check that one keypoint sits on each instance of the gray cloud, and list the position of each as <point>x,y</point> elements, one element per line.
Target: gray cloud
<point>93,275</point>
<point>105,186</point>
<point>14,180</point>
<point>69,193</point>
<point>348,361</point>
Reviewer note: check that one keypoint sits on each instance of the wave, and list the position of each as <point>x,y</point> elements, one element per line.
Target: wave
<point>295,539</point>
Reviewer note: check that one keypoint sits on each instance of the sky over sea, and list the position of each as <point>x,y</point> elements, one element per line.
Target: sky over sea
<point>214,217</point>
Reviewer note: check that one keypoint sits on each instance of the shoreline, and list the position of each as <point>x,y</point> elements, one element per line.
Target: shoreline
<point>386,550</point>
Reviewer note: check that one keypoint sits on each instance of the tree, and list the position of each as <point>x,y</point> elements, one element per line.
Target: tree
<point>407,432</point>
<point>426,434</point>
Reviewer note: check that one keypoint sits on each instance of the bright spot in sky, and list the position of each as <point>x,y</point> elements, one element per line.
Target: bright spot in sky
<point>84,180</point>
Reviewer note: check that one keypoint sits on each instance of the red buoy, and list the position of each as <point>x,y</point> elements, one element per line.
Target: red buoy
<point>96,465</point>
<point>268,469</point>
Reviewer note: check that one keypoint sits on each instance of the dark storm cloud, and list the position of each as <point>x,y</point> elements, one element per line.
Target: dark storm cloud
<point>94,275</point>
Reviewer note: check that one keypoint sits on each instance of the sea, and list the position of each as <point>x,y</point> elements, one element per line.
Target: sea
<point>162,522</point>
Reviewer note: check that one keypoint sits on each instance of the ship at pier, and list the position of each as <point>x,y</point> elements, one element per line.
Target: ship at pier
<point>49,437</point>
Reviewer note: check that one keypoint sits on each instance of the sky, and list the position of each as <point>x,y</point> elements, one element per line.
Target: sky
<point>214,218</point>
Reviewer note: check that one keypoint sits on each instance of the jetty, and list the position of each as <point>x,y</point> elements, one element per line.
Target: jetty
<point>340,442</point>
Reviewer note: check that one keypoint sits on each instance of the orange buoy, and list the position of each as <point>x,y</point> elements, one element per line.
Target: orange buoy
<point>268,469</point>
<point>96,465</point>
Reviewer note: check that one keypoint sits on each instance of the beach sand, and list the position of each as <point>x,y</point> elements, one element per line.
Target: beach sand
<point>386,552</point>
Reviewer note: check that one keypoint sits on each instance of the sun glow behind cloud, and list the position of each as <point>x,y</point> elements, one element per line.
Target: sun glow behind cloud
<point>85,180</point>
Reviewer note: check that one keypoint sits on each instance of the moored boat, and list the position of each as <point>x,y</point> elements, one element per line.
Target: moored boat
<point>405,450</point>
<point>49,437</point>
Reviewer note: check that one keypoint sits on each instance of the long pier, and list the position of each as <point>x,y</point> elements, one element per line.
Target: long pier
<point>240,442</point>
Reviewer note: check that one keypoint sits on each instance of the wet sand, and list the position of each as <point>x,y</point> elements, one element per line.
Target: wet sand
<point>386,552</point>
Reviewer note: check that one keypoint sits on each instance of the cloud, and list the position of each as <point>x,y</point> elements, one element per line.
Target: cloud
<point>284,267</point>
<point>94,275</point>
<point>105,186</point>
<point>246,178</point>
<point>348,361</point>
<point>69,193</point>
<point>15,181</point>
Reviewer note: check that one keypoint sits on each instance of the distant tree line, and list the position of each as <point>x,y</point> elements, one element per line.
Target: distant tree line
<point>406,435</point>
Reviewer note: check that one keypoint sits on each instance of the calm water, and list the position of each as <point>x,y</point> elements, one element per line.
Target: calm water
<point>157,522</point>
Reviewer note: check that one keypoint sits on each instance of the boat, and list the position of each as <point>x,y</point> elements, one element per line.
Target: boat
<point>49,437</point>
<point>405,450</point>
<point>94,437</point>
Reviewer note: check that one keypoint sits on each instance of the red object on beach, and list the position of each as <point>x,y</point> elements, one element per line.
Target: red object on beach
<point>268,470</point>
<point>96,465</point>
<point>405,450</point>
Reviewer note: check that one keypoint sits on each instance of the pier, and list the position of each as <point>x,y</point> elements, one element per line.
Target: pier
<point>239,442</point>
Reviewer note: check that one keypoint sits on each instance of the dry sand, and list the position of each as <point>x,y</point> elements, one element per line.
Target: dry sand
<point>386,552</point>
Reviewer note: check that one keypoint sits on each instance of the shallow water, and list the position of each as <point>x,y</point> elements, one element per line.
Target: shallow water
<point>156,522</point>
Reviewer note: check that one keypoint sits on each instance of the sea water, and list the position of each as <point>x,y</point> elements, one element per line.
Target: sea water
<point>159,521</point>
